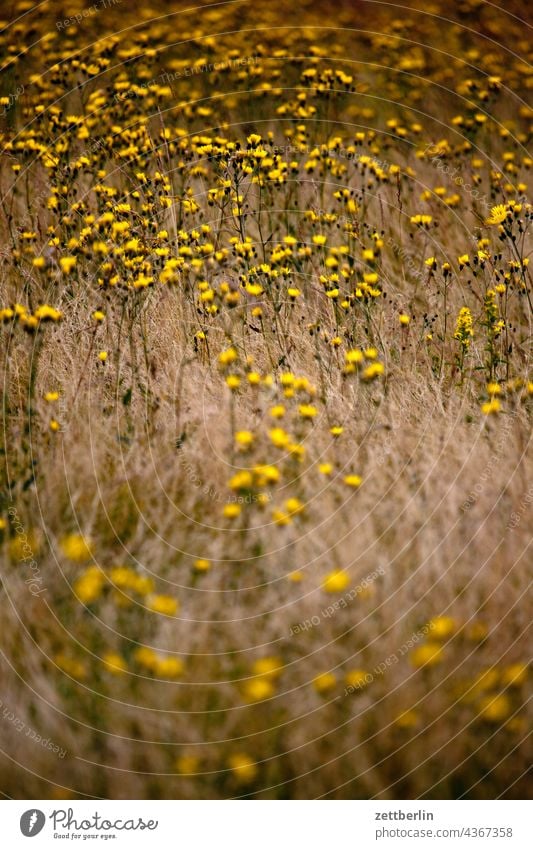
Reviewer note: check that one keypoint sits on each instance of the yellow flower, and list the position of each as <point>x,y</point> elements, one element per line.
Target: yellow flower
<point>294,505</point>
<point>269,666</point>
<point>442,627</point>
<point>47,313</point>
<point>486,680</point>
<point>146,657</point>
<point>114,663</point>
<point>515,675</point>
<point>422,220</point>
<point>30,322</point>
<point>76,547</point>
<point>498,214</point>
<point>266,474</point>
<point>335,582</point>
<point>164,604</point>
<point>233,381</point>
<point>88,587</point>
<point>207,297</point>
<point>168,667</point>
<point>353,480</point>
<point>279,437</point>
<point>295,577</point>
<point>241,480</point>
<point>258,689</point>
<point>51,396</point>
<point>227,357</point>
<point>231,511</point>
<point>73,667</point>
<point>121,576</point>
<point>277,411</point>
<point>354,356</point>
<point>202,565</point>
<point>102,356</point>
<point>244,438</point>
<point>464,327</point>
<point>373,371</point>
<point>19,547</point>
<point>67,264</point>
<point>495,708</point>
<point>357,678</point>
<point>187,764</point>
<point>141,584</point>
<point>54,425</point>
<point>491,407</point>
<point>243,767</point>
<point>297,450</point>
<point>325,682</point>
<point>98,315</point>
<point>336,430</point>
<point>407,719</point>
<point>325,468</point>
<point>404,319</point>
<point>427,655</point>
<point>307,411</point>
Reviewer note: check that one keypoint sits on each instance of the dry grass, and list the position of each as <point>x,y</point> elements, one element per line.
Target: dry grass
<point>428,560</point>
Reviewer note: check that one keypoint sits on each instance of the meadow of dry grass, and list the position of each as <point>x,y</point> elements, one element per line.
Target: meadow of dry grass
<point>267,483</point>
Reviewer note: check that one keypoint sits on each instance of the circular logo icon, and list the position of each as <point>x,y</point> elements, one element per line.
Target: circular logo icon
<point>32,822</point>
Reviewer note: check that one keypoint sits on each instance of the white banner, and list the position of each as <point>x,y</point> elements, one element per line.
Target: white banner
<point>268,824</point>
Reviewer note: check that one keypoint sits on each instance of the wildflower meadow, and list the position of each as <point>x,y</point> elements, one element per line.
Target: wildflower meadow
<point>267,392</point>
